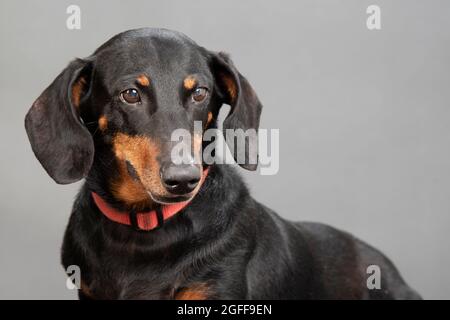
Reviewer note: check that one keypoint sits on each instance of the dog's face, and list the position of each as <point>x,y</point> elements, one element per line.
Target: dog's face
<point>117,109</point>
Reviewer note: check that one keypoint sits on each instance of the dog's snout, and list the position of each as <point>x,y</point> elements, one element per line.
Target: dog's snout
<point>180,179</point>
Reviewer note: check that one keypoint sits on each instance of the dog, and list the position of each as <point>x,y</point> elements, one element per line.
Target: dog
<point>143,227</point>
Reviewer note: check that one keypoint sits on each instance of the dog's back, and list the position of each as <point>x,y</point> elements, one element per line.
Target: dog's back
<point>305,260</point>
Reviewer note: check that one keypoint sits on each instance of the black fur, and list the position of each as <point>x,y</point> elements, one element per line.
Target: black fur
<point>224,245</point>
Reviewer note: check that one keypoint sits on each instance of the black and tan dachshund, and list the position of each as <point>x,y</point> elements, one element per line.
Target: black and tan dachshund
<point>143,227</point>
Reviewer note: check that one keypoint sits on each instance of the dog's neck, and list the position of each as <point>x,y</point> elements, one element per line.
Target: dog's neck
<point>208,215</point>
<point>142,221</point>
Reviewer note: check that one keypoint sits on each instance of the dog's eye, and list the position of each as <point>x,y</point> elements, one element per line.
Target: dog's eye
<point>199,94</point>
<point>130,96</point>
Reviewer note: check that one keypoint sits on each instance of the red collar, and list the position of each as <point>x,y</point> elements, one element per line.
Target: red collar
<point>144,221</point>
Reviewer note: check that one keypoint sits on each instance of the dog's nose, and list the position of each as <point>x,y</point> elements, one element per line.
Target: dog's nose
<point>180,179</point>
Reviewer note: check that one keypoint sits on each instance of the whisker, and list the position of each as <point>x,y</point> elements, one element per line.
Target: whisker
<point>89,123</point>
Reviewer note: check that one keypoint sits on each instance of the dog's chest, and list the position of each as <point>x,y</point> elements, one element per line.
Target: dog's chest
<point>123,281</point>
<point>139,288</point>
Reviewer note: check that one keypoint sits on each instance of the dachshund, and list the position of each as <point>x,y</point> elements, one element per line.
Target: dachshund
<point>145,227</point>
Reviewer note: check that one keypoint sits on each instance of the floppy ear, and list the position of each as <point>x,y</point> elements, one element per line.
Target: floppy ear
<point>60,141</point>
<point>245,108</point>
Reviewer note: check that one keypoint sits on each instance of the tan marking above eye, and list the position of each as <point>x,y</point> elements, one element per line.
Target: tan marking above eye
<point>143,80</point>
<point>102,123</point>
<point>189,83</point>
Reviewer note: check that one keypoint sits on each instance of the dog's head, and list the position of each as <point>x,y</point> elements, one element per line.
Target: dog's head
<point>118,108</point>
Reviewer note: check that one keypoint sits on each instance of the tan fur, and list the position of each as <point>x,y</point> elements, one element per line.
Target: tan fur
<point>143,80</point>
<point>195,292</point>
<point>102,123</point>
<point>142,153</point>
<point>86,291</point>
<point>189,83</point>
<point>130,191</point>
<point>77,89</point>
<point>210,117</point>
<point>231,86</point>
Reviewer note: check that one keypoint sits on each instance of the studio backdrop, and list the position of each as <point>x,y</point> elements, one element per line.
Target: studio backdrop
<point>362,108</point>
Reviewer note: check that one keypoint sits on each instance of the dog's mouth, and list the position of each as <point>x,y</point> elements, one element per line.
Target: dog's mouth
<point>166,199</point>
<point>157,197</point>
<point>170,199</point>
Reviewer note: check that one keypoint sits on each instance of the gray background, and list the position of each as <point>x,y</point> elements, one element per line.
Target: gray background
<point>363,116</point>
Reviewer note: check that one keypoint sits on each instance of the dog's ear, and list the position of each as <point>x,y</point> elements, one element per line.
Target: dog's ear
<point>59,139</point>
<point>245,110</point>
